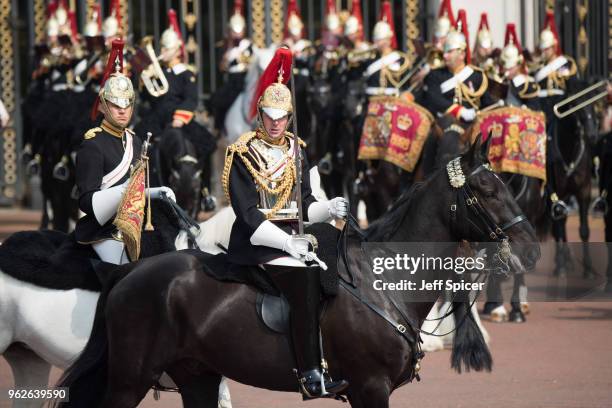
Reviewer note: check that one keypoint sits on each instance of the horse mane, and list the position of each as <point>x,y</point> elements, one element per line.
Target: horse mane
<point>386,226</point>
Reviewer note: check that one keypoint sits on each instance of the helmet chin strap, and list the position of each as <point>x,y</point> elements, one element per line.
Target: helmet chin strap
<point>266,135</point>
<point>109,116</point>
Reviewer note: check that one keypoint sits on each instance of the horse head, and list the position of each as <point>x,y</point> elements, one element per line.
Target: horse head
<point>486,210</point>
<point>319,95</point>
<point>354,100</point>
<point>181,169</point>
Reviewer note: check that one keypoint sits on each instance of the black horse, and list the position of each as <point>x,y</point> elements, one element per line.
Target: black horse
<point>205,328</point>
<point>180,168</point>
<point>571,170</point>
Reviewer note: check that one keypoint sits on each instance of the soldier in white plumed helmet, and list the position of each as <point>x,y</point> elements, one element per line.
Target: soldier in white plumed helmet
<point>260,182</point>
<point>237,54</point>
<point>103,163</point>
<point>485,54</point>
<point>556,75</point>
<point>459,88</point>
<point>522,88</point>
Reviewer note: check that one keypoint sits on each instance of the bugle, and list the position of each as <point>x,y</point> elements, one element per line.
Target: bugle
<point>596,92</point>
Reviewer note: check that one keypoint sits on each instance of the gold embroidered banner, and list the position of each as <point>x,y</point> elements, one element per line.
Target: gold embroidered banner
<point>394,130</point>
<point>519,140</point>
<point>130,213</point>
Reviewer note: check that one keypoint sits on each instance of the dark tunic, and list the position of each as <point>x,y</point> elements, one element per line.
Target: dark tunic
<point>439,102</point>
<point>244,197</point>
<point>98,155</point>
<point>525,93</point>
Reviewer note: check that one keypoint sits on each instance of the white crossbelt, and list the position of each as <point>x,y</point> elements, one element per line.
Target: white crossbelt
<point>381,62</point>
<point>123,167</point>
<point>376,90</point>
<point>544,93</point>
<point>451,83</point>
<point>550,68</point>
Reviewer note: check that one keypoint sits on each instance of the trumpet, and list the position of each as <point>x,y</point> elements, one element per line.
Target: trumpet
<point>596,92</point>
<point>152,76</point>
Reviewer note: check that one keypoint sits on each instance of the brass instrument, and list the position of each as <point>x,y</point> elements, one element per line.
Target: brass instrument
<point>593,89</point>
<point>364,54</point>
<point>84,77</point>
<point>152,76</point>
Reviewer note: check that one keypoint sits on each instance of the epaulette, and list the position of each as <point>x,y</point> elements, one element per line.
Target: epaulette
<point>91,133</point>
<point>241,145</point>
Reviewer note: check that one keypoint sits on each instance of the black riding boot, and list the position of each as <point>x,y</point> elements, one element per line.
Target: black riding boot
<point>302,288</point>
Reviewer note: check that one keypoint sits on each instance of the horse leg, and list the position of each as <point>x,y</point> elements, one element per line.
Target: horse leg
<point>516,314</point>
<point>561,248</point>
<point>369,395</point>
<point>198,390</point>
<point>29,372</point>
<point>583,207</point>
<point>494,305</point>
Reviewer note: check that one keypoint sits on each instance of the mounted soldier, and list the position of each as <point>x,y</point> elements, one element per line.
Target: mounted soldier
<point>267,192</point>
<point>103,164</point>
<point>171,114</point>
<point>459,88</point>
<point>556,74</point>
<point>237,54</point>
<point>521,87</point>
<point>485,55</point>
<point>434,51</point>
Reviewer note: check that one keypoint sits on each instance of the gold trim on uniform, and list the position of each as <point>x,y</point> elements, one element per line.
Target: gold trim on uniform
<point>91,133</point>
<point>556,80</point>
<point>525,94</point>
<point>281,187</point>
<point>113,130</point>
<point>463,92</point>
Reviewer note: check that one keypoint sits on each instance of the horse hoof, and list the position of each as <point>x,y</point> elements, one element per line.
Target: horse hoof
<point>525,308</point>
<point>516,316</point>
<point>489,307</point>
<point>499,315</point>
<point>589,274</point>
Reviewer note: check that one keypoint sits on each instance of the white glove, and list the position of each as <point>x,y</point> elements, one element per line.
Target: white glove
<point>296,247</point>
<point>156,193</point>
<point>105,202</point>
<point>468,114</point>
<point>270,235</point>
<point>338,208</point>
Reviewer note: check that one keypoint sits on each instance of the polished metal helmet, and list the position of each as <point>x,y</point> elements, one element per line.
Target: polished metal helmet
<point>118,90</point>
<point>547,39</point>
<point>382,30</point>
<point>510,56</point>
<point>455,40</point>
<point>442,27</point>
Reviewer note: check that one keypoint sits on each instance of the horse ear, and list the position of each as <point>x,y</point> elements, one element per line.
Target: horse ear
<point>474,153</point>
<point>484,148</point>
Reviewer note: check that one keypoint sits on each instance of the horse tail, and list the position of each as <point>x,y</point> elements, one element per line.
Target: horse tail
<point>469,347</point>
<point>86,378</point>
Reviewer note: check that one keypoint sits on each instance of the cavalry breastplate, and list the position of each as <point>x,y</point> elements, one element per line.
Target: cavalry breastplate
<point>273,162</point>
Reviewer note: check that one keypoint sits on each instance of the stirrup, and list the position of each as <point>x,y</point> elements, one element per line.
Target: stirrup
<point>33,166</point>
<point>600,204</point>
<point>559,210</point>
<point>316,383</point>
<point>209,202</point>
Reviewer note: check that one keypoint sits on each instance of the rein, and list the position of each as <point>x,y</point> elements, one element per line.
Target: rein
<point>466,202</point>
<point>186,223</point>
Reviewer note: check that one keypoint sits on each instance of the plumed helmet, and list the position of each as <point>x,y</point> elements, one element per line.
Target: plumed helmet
<point>548,35</point>
<point>351,26</point>
<point>52,27</point>
<point>295,25</point>
<point>445,20</point>
<point>237,23</point>
<point>455,40</point>
<point>442,27</point>
<point>512,54</point>
<point>118,89</point>
<point>272,95</point>
<point>382,30</point>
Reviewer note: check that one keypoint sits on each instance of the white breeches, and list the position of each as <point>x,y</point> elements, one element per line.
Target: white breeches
<point>287,261</point>
<point>111,251</point>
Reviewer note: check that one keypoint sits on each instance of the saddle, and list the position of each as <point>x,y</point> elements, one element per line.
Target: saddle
<point>271,307</point>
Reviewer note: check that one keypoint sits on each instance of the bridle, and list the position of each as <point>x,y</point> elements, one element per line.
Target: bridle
<point>467,203</point>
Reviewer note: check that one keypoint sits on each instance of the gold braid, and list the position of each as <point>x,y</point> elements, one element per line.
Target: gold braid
<point>285,182</point>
